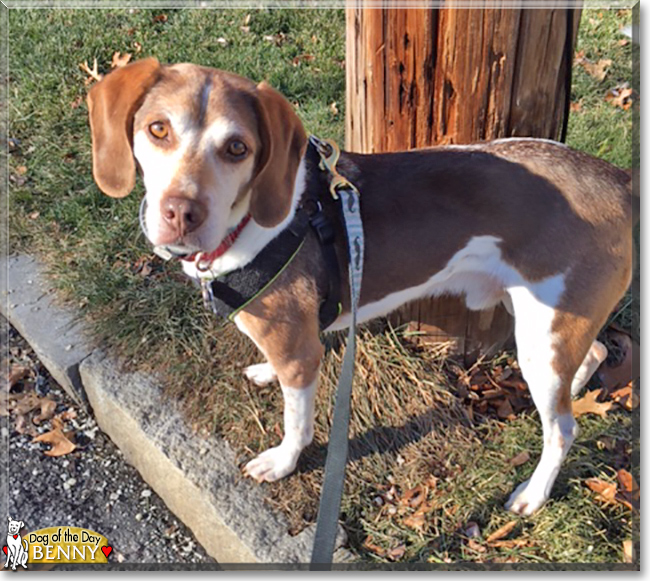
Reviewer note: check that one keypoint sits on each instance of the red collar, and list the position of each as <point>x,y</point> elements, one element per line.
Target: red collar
<point>205,260</point>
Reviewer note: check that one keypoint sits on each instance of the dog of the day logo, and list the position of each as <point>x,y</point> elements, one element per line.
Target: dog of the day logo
<point>54,545</point>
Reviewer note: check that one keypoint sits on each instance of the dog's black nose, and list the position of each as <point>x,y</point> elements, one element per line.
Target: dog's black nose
<point>182,215</point>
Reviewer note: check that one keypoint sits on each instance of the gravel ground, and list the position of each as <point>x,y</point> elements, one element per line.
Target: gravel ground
<point>91,487</point>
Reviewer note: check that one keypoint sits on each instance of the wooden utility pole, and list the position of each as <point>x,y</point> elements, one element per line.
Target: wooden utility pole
<point>418,77</point>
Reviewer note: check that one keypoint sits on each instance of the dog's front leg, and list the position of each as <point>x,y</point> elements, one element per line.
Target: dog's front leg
<point>293,350</point>
<point>275,463</point>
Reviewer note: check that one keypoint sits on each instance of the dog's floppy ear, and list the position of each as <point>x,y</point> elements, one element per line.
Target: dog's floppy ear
<point>112,103</point>
<point>22,524</point>
<point>283,142</point>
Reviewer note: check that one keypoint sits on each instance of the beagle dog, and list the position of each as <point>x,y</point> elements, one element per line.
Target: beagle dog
<point>528,222</point>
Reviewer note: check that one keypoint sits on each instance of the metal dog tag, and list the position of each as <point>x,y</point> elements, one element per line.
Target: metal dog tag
<point>163,252</point>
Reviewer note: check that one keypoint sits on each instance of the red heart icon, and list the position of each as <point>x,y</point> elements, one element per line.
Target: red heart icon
<point>15,536</point>
<point>5,549</point>
<point>107,551</point>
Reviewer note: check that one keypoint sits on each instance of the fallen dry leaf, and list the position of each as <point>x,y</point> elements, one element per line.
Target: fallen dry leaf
<point>60,444</point>
<point>162,18</point>
<point>476,546</point>
<point>397,552</point>
<point>605,491</point>
<point>589,405</point>
<point>503,531</point>
<point>334,109</point>
<point>576,107</point>
<point>417,522</point>
<point>368,544</point>
<point>414,496</point>
<point>511,544</point>
<point>137,46</point>
<point>93,74</point>
<point>629,494</point>
<point>143,265</point>
<point>519,459</point>
<point>48,408</point>
<point>120,60</point>
<point>627,481</point>
<point>622,97</point>
<point>302,58</point>
<point>597,70</point>
<point>628,551</point>
<point>69,414</point>
<point>26,404</point>
<point>16,373</point>
<point>22,426</point>
<point>626,397</point>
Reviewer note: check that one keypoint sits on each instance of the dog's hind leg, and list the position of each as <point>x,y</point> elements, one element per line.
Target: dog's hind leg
<point>550,351</point>
<point>596,355</point>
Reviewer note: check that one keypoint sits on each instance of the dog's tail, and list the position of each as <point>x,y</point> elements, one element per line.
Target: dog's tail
<point>26,545</point>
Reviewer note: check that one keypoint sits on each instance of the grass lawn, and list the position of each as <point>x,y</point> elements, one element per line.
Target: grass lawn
<point>413,444</point>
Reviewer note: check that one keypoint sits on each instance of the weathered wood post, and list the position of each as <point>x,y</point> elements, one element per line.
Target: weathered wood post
<point>439,75</point>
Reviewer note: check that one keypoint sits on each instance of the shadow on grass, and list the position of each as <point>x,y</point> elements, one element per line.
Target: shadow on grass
<point>378,440</point>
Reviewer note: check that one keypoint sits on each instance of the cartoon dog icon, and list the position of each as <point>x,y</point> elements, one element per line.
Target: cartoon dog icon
<point>16,552</point>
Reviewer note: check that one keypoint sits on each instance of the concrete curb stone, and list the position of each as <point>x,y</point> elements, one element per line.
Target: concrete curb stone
<point>55,333</point>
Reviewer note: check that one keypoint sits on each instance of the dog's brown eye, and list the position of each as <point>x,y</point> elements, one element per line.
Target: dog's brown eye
<point>237,148</point>
<point>158,130</point>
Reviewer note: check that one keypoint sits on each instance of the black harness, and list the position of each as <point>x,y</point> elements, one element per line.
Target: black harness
<point>230,293</point>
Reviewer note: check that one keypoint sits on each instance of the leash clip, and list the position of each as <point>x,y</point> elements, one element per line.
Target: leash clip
<point>329,156</point>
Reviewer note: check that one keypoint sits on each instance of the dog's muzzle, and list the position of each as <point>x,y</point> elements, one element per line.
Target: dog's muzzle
<point>165,251</point>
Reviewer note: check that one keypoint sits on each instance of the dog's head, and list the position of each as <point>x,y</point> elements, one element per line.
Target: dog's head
<point>15,525</point>
<point>211,146</point>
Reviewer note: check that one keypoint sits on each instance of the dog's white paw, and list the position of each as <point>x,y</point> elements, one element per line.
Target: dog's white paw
<point>273,464</point>
<point>526,499</point>
<point>261,374</point>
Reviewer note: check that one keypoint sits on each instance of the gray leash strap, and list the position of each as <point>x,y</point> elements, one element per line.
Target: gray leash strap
<point>337,449</point>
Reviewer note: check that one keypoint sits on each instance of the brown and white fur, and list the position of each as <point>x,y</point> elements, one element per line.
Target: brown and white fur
<point>531,223</point>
